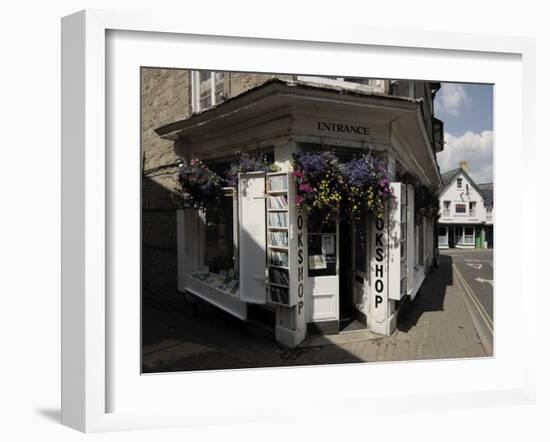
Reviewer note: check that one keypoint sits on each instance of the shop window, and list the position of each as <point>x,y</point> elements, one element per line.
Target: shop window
<point>322,249</point>
<point>207,89</point>
<point>219,243</point>
<point>460,208</point>
<point>469,235</point>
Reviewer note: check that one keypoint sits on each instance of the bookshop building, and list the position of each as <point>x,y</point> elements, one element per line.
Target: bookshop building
<point>256,255</point>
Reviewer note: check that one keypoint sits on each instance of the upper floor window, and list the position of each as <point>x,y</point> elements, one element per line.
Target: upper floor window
<point>459,183</point>
<point>207,89</point>
<point>446,208</point>
<point>460,208</point>
<point>472,209</point>
<point>351,83</point>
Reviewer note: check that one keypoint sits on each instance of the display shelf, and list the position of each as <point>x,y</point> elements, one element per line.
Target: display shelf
<point>222,299</point>
<point>280,189</point>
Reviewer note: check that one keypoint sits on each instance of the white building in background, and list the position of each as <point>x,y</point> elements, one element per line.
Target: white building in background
<point>466,211</point>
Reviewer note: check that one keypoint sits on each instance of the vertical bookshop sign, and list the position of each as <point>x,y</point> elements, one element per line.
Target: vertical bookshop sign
<point>379,271</point>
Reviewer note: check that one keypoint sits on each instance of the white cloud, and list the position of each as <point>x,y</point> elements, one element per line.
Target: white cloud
<point>476,148</point>
<point>451,98</point>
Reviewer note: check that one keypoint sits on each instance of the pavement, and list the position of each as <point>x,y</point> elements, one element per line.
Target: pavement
<point>437,325</point>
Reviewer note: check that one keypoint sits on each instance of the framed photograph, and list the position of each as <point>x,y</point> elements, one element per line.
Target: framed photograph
<point>287,216</point>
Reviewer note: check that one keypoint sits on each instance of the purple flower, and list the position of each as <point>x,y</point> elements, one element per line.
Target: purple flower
<point>305,187</point>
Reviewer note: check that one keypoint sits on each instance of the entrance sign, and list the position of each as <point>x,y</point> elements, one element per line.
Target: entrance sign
<point>342,128</point>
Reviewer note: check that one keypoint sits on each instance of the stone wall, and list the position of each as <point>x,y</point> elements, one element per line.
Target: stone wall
<point>239,82</point>
<point>164,99</point>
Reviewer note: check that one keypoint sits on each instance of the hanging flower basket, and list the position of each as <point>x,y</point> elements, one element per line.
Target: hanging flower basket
<point>200,185</point>
<point>426,200</point>
<point>320,184</point>
<point>334,190</point>
<point>247,164</point>
<point>367,186</point>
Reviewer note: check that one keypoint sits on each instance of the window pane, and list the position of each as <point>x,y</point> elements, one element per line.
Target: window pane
<point>322,249</point>
<point>460,208</point>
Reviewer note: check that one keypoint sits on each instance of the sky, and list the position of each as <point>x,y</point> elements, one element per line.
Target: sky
<point>467,114</point>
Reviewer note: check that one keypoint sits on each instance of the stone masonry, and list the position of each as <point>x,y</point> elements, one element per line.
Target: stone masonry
<point>165,98</point>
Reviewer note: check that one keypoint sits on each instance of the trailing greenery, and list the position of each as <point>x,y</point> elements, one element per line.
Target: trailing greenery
<point>426,199</point>
<point>200,185</point>
<point>245,164</point>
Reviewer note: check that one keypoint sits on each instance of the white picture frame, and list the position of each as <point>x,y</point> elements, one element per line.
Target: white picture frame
<point>90,171</point>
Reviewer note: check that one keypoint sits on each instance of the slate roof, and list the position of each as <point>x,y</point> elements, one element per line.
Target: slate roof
<point>486,190</point>
<point>447,177</point>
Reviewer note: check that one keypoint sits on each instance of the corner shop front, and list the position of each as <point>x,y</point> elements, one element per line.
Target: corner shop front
<point>257,249</point>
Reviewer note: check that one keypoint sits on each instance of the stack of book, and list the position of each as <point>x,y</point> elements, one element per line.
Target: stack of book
<point>278,276</point>
<point>278,183</point>
<point>279,295</point>
<point>278,219</point>
<point>278,239</point>
<point>278,258</point>
<point>278,202</point>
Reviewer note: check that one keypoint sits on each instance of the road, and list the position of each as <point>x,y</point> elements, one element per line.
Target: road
<point>475,266</point>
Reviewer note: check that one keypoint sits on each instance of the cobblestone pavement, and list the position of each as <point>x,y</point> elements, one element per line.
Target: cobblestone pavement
<point>437,325</point>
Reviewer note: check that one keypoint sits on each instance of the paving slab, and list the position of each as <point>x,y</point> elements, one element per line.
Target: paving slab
<point>437,325</point>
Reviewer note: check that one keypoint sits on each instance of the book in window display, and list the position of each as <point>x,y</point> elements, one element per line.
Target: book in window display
<point>278,202</point>
<point>278,239</point>
<point>279,276</point>
<point>279,295</point>
<point>278,219</point>
<point>278,183</point>
<point>278,258</point>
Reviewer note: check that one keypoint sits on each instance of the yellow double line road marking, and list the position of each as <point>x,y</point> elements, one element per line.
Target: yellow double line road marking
<point>486,318</point>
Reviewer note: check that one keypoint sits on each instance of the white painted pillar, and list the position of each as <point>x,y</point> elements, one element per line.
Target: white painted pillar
<point>380,318</point>
<point>290,327</point>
